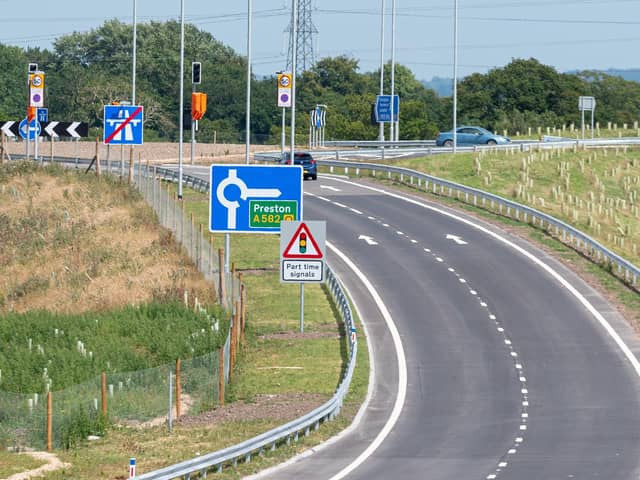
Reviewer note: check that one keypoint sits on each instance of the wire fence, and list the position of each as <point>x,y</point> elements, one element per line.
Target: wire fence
<point>58,419</point>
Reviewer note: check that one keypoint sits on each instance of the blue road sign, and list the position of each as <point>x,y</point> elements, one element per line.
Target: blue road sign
<point>254,198</point>
<point>383,108</point>
<point>123,124</point>
<point>32,131</point>
<point>43,115</point>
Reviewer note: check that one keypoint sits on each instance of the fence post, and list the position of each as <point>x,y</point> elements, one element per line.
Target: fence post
<point>221,376</point>
<point>98,168</point>
<point>232,347</point>
<point>243,311</point>
<point>104,394</point>
<point>178,390</point>
<point>49,421</point>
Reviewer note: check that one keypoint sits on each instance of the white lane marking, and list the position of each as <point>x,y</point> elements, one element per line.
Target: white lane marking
<point>414,241</point>
<point>341,205</point>
<point>456,239</point>
<point>565,283</point>
<point>386,225</point>
<point>333,189</point>
<point>368,239</point>
<point>371,218</point>
<point>323,198</point>
<point>439,259</point>
<point>356,211</point>
<point>400,233</point>
<point>427,250</point>
<point>402,370</point>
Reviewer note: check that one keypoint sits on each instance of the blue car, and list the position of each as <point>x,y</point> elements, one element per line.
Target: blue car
<point>470,136</point>
<point>309,165</point>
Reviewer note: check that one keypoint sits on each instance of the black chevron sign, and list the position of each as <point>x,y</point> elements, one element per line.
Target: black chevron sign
<point>65,129</point>
<point>10,129</point>
<point>50,129</point>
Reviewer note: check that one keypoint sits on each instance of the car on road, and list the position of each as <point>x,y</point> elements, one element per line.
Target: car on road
<point>468,135</point>
<point>309,165</point>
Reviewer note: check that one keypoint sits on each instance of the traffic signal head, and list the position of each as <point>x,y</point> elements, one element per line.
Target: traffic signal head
<point>196,68</point>
<point>302,243</point>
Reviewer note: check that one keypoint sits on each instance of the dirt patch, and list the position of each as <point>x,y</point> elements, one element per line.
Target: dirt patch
<point>281,408</point>
<point>53,463</point>
<point>299,336</point>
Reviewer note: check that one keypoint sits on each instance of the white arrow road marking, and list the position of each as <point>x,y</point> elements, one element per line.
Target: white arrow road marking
<point>71,129</point>
<point>50,129</point>
<point>367,239</point>
<point>333,189</point>
<point>456,239</point>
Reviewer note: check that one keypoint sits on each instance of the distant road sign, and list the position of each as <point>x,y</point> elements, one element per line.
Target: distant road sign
<point>123,124</point>
<point>30,130</point>
<point>254,198</point>
<point>383,108</point>
<point>43,115</point>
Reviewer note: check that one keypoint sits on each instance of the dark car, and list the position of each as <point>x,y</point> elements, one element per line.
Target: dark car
<point>309,165</point>
<point>470,136</point>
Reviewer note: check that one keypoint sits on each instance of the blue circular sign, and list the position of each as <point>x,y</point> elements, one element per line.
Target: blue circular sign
<point>31,131</point>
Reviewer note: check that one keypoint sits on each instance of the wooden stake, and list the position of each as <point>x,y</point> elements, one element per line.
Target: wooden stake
<point>98,168</point>
<point>49,421</point>
<point>104,394</point>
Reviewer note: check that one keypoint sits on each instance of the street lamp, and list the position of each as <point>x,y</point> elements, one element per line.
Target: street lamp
<point>181,99</point>
<point>455,75</point>
<point>248,116</point>
<point>381,132</point>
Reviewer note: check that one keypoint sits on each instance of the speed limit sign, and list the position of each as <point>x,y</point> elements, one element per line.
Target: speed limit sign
<point>284,89</point>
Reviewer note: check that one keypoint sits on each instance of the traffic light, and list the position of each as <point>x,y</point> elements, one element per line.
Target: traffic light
<point>302,243</point>
<point>196,67</point>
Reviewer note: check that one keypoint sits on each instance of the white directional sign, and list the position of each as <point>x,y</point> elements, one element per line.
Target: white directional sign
<point>302,251</point>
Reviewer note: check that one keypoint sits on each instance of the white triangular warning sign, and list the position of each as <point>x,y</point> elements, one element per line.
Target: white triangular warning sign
<point>302,245</point>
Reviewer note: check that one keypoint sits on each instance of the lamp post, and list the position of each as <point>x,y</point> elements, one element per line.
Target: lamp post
<point>455,75</point>
<point>393,70</point>
<point>381,131</point>
<point>248,116</point>
<point>181,99</point>
<point>135,42</point>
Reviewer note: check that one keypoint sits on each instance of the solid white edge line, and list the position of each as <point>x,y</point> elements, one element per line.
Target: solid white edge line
<point>402,370</point>
<point>597,315</point>
<point>372,380</point>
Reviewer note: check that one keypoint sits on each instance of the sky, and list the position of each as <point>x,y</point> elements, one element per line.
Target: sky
<point>565,34</point>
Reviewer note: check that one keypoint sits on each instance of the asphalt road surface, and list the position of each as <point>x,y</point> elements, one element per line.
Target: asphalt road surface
<point>511,373</point>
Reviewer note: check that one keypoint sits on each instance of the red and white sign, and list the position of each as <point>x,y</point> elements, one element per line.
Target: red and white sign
<point>302,251</point>
<point>302,245</point>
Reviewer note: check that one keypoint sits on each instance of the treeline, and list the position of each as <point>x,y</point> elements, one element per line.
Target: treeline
<point>85,71</point>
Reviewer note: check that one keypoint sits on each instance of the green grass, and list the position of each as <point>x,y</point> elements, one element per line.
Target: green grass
<point>272,342</point>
